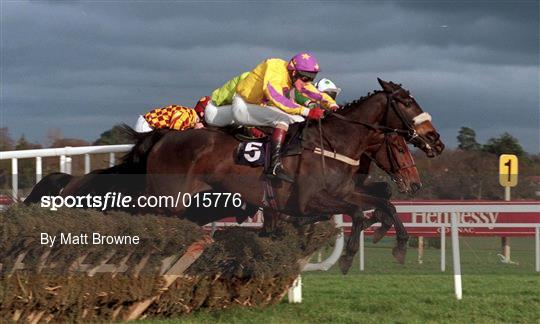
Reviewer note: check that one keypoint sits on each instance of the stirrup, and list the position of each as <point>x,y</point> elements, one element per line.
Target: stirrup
<point>279,173</point>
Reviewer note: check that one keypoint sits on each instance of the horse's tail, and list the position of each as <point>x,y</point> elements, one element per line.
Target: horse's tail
<point>135,160</point>
<point>51,185</point>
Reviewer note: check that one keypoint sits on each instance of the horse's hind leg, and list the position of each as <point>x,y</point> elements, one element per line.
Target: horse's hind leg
<point>270,222</point>
<point>50,185</point>
<point>402,237</point>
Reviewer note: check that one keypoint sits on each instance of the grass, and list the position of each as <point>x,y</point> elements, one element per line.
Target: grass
<point>412,293</point>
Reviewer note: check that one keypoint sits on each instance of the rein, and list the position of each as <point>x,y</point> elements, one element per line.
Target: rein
<point>395,167</point>
<point>381,128</point>
<point>323,163</point>
<point>409,133</point>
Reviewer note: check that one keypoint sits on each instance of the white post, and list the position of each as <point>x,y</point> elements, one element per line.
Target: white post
<point>14,178</point>
<point>362,251</point>
<point>505,241</point>
<point>111,159</point>
<point>295,292</point>
<point>336,253</point>
<point>38,169</point>
<point>86,163</point>
<point>420,249</point>
<point>443,248</point>
<point>68,164</point>
<point>62,163</point>
<point>537,248</point>
<point>456,257</point>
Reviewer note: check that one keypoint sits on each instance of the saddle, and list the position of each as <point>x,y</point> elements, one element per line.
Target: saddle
<point>252,151</point>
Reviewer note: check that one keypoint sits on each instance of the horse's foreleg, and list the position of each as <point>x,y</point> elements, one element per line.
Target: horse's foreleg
<point>270,222</point>
<point>381,190</point>
<point>345,261</point>
<point>386,223</point>
<point>388,208</point>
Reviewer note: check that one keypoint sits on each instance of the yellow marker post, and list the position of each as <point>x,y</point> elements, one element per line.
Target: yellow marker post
<point>508,177</point>
<point>508,170</point>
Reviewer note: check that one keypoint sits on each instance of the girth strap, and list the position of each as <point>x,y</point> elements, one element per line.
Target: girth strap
<point>337,156</point>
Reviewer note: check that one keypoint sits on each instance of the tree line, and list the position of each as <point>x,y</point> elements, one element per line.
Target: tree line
<point>471,171</point>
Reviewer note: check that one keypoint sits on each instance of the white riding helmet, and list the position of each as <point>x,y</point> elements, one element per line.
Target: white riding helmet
<point>326,85</point>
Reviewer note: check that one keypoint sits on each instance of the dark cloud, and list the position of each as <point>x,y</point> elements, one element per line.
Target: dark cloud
<point>84,66</point>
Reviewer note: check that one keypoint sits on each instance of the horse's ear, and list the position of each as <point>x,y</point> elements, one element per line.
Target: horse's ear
<point>387,87</point>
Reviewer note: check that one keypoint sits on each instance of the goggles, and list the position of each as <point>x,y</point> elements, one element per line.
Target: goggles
<point>306,76</point>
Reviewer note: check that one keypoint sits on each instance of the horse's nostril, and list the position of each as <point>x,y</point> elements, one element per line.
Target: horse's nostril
<point>439,148</point>
<point>415,187</point>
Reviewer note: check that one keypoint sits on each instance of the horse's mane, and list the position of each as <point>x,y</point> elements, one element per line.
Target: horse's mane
<point>352,104</point>
<point>349,105</point>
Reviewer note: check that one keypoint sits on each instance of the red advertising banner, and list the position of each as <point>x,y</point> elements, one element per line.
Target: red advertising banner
<point>417,217</point>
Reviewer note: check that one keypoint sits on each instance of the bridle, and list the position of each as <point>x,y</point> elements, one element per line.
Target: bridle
<point>412,135</point>
<point>408,132</point>
<point>395,166</point>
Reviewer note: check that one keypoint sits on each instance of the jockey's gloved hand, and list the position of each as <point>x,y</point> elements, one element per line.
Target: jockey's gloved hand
<point>334,107</point>
<point>315,113</point>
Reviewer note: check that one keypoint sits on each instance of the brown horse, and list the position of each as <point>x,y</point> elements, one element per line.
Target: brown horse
<point>195,161</point>
<point>393,157</point>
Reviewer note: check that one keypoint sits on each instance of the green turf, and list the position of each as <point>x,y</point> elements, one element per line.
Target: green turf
<point>410,293</point>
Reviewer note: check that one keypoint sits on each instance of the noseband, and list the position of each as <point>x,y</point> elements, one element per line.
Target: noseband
<point>411,135</point>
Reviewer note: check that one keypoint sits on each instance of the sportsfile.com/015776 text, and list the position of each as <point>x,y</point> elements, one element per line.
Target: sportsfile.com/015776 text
<point>119,200</point>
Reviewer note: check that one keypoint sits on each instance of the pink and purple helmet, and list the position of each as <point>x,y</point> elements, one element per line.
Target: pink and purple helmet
<point>303,61</point>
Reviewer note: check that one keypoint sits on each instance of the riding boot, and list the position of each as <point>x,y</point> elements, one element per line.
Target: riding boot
<point>275,170</point>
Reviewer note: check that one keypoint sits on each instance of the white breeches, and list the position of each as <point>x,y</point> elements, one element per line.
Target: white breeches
<point>142,125</point>
<point>218,116</point>
<point>256,115</point>
<point>246,114</point>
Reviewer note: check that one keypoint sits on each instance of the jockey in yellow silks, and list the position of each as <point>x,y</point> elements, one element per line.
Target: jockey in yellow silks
<point>261,99</point>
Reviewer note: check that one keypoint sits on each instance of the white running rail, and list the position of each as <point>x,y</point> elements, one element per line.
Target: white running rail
<point>64,154</point>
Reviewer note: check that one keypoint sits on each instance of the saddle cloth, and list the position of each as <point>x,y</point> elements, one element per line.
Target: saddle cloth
<point>254,152</point>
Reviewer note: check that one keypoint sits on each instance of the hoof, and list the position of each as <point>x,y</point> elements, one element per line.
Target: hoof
<point>399,254</point>
<point>345,263</point>
<point>242,218</point>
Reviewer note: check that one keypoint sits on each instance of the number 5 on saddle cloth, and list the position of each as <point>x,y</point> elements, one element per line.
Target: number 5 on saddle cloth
<point>255,152</point>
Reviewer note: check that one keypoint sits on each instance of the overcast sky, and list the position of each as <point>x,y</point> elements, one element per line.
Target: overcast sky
<point>85,66</point>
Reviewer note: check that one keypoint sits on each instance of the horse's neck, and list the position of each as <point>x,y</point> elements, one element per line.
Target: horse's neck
<point>370,110</point>
<point>353,139</point>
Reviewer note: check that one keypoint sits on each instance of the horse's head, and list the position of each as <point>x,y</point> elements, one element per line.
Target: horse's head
<point>404,112</point>
<point>396,160</point>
